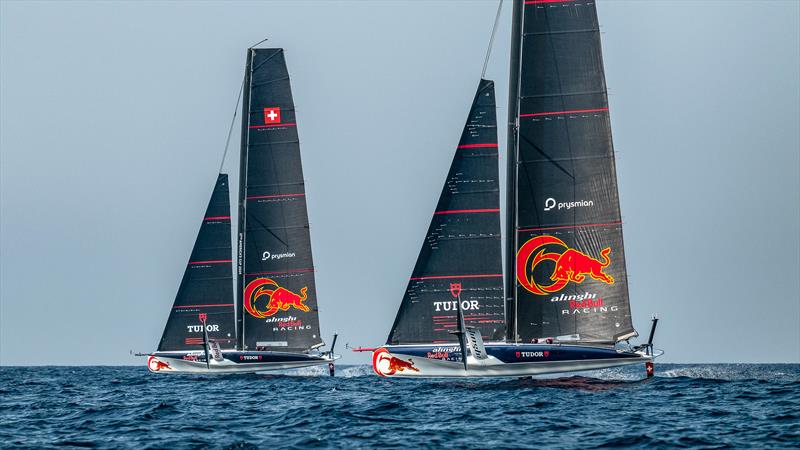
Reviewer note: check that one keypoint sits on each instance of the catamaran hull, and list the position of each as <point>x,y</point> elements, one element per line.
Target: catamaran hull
<point>503,360</point>
<point>231,362</point>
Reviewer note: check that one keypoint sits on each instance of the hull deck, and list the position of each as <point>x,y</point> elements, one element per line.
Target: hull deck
<point>231,362</point>
<point>502,360</point>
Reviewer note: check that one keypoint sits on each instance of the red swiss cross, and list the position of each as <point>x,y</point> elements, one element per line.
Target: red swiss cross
<point>272,115</point>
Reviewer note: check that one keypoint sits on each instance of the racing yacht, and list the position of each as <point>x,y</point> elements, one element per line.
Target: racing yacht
<point>562,302</point>
<point>272,320</point>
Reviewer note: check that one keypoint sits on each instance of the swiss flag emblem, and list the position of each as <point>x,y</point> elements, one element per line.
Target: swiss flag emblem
<point>272,115</point>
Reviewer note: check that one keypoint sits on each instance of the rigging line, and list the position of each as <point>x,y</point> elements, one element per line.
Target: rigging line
<point>259,42</point>
<point>491,39</point>
<point>235,111</point>
<point>230,129</point>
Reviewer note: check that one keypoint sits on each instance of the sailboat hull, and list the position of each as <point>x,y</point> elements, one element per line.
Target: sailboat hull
<point>502,360</point>
<point>231,362</point>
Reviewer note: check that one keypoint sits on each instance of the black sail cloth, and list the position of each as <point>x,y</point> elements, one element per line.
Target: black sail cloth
<point>461,254</point>
<point>566,257</point>
<point>206,290</point>
<point>277,295</point>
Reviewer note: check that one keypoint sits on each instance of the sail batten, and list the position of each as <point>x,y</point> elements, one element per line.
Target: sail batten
<point>566,259</point>
<point>277,293</point>
<point>460,260</point>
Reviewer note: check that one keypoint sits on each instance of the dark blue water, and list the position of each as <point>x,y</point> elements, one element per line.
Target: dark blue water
<point>702,406</point>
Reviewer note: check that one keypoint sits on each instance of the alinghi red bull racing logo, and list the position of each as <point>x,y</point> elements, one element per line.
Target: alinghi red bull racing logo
<point>277,298</point>
<point>570,265</point>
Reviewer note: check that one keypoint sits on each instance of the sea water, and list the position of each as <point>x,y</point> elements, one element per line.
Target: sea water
<point>684,405</point>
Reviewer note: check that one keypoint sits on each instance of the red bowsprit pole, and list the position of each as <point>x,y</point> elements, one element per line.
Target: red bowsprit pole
<point>648,366</point>
<point>364,349</point>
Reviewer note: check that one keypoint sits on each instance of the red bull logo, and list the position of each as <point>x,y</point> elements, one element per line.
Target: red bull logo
<point>277,298</point>
<point>385,364</point>
<point>570,265</point>
<point>154,364</point>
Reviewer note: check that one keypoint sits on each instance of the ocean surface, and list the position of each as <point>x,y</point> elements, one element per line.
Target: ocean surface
<point>684,405</point>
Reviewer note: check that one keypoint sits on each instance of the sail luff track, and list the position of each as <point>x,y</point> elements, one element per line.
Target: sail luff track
<point>242,202</point>
<point>511,173</point>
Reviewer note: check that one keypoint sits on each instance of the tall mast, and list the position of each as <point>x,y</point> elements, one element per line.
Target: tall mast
<point>242,203</point>
<point>511,178</point>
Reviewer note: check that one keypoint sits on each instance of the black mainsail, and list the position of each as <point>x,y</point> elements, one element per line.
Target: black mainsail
<point>565,258</point>
<point>461,254</point>
<point>206,291</point>
<point>277,296</point>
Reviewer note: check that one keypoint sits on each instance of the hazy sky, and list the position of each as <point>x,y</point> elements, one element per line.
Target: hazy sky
<point>114,117</point>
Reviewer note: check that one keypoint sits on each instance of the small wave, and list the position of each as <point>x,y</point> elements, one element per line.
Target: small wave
<point>81,444</point>
<point>159,411</point>
<point>312,371</point>
<point>729,372</point>
<point>355,371</point>
<point>344,371</point>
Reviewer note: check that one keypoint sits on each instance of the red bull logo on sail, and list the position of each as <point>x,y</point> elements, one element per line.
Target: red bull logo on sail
<point>571,265</point>
<point>277,298</point>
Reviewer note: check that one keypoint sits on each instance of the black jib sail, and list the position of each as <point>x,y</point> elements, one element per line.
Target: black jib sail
<point>206,291</point>
<point>277,296</point>
<point>566,259</point>
<point>461,255</point>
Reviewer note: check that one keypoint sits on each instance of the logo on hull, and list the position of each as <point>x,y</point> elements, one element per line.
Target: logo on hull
<point>280,298</point>
<point>154,364</point>
<point>384,364</point>
<point>570,266</point>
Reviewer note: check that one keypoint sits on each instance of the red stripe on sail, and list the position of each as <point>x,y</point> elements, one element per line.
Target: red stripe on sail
<point>444,277</point>
<point>275,125</point>
<point>466,211</point>
<point>255,197</point>
<point>280,273</point>
<point>218,218</point>
<point>558,113</point>
<point>451,317</point>
<point>571,226</point>
<point>477,146</point>
<point>203,306</point>
<point>213,261</point>
<point>538,2</point>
